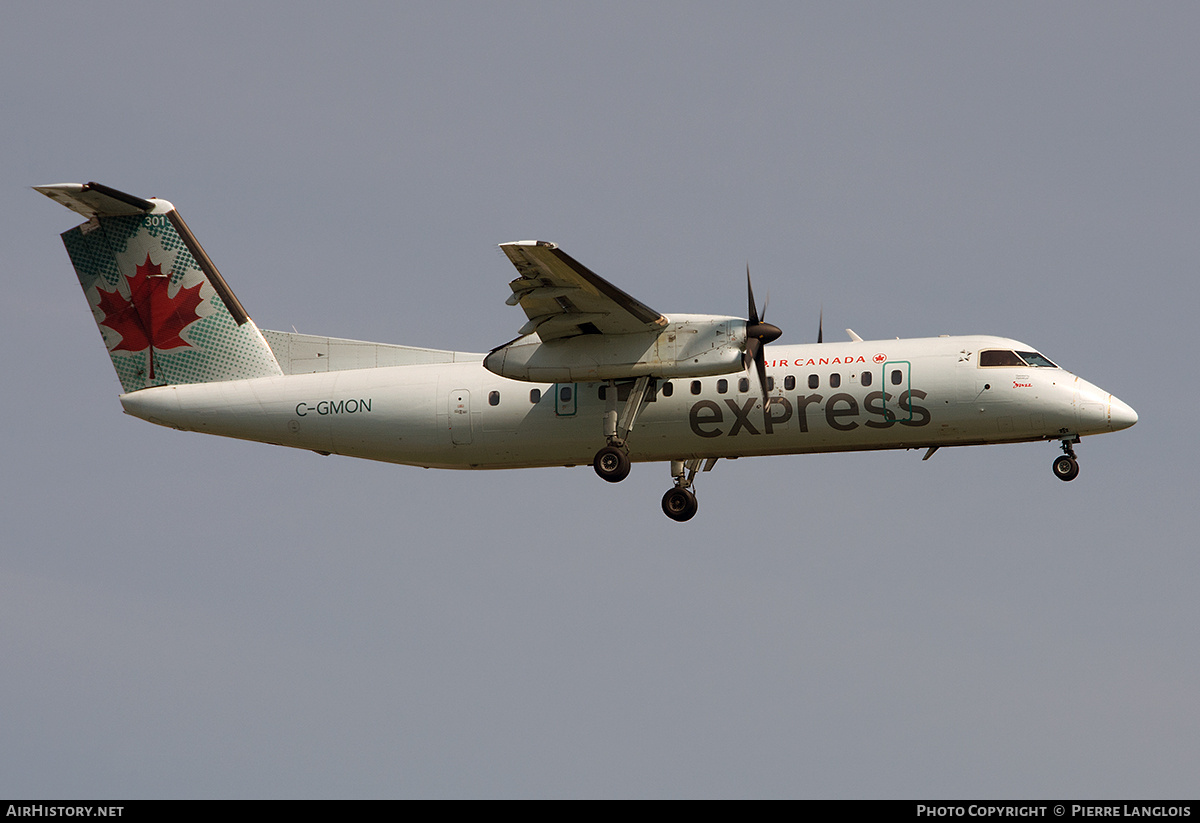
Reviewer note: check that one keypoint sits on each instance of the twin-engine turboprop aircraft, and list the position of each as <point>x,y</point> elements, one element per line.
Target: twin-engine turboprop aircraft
<point>594,376</point>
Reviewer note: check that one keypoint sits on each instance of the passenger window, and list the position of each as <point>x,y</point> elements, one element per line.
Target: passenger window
<point>668,389</point>
<point>744,384</point>
<point>535,396</point>
<point>695,387</point>
<point>814,382</point>
<point>789,382</point>
<point>866,378</point>
<point>770,384</point>
<point>603,392</point>
<point>494,398</point>
<point>897,377</point>
<point>564,394</point>
<point>999,357</point>
<point>835,380</point>
<point>722,386</point>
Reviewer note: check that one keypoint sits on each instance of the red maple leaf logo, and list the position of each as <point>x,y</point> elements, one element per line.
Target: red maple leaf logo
<point>150,319</point>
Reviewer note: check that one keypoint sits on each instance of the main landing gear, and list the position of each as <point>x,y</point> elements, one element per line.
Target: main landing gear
<point>612,462</point>
<point>679,503</point>
<point>1066,465</point>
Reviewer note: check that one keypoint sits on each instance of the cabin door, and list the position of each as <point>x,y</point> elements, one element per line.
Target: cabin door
<point>566,399</point>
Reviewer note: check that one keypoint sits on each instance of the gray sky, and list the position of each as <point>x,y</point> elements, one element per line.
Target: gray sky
<point>183,615</point>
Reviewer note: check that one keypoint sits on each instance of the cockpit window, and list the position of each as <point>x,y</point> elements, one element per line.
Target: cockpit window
<point>1036,360</point>
<point>999,357</point>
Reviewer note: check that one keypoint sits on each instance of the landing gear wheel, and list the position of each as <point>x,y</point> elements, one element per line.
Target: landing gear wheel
<point>1066,467</point>
<point>612,464</point>
<point>679,504</point>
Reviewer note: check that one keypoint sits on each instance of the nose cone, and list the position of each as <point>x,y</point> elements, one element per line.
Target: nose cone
<point>1099,411</point>
<point>1120,416</point>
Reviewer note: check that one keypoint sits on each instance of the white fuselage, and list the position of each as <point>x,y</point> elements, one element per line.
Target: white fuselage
<point>917,393</point>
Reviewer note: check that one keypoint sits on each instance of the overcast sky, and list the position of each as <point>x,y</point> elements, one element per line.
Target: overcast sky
<point>187,616</point>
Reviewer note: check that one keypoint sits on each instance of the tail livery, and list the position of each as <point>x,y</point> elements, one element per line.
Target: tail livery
<point>163,309</point>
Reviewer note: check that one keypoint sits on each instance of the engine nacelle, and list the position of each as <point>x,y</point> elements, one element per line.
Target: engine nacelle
<point>690,346</point>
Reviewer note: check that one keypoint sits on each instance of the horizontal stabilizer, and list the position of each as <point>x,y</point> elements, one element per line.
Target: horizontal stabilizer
<point>95,199</point>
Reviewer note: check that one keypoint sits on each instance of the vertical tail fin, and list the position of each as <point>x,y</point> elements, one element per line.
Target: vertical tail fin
<point>164,311</point>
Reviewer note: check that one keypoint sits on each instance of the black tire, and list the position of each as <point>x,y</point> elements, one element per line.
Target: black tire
<point>679,504</point>
<point>1066,467</point>
<point>612,464</point>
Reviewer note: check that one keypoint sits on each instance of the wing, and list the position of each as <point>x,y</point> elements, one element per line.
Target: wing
<point>564,298</point>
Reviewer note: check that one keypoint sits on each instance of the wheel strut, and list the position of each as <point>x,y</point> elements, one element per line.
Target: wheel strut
<point>1068,447</point>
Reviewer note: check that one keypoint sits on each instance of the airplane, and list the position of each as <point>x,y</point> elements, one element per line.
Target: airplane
<point>594,376</point>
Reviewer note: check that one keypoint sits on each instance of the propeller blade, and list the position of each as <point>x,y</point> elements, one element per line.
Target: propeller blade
<point>758,335</point>
<point>761,362</point>
<point>821,326</point>
<point>753,344</point>
<point>752,314</point>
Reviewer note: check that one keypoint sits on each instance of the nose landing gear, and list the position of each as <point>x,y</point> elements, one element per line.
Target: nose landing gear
<point>1066,465</point>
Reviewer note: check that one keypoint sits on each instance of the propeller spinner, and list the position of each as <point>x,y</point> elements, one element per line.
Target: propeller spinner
<point>758,335</point>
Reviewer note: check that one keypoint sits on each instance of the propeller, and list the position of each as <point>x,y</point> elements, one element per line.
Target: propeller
<point>821,326</point>
<point>758,335</point>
